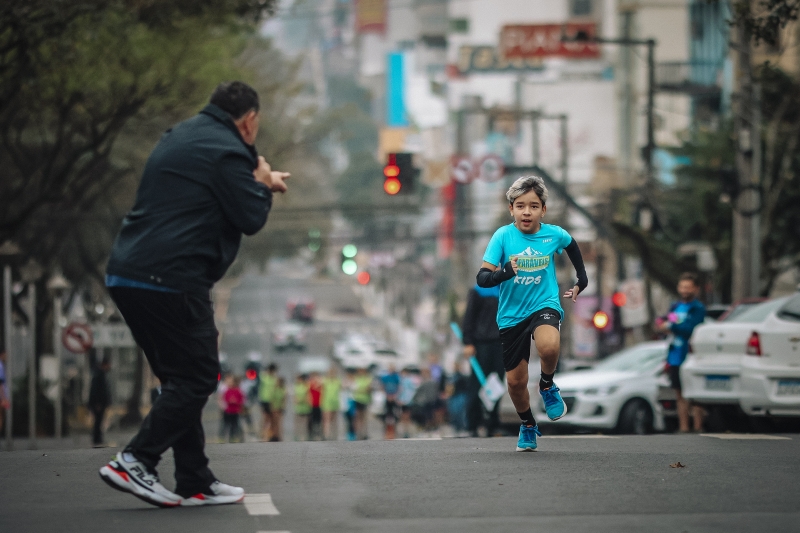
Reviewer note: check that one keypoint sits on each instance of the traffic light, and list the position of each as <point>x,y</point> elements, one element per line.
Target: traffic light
<point>600,320</point>
<point>349,265</point>
<point>363,277</point>
<point>399,174</point>
<point>619,299</point>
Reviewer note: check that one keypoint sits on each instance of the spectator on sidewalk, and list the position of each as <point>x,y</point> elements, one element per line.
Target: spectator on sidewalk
<point>315,399</point>
<point>278,408</point>
<point>481,338</point>
<point>681,319</point>
<point>331,404</point>
<point>391,388</point>
<point>302,407</point>
<point>99,400</point>
<point>362,396</point>
<point>234,402</point>
<point>267,382</point>
<point>409,383</point>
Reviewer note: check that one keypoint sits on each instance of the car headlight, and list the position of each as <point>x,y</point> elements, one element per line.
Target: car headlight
<point>601,391</point>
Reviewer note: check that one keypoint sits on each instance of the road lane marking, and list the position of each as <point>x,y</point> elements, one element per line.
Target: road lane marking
<point>260,504</point>
<point>579,437</point>
<point>743,436</point>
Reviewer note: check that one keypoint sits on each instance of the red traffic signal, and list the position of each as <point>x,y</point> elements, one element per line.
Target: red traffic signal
<point>399,174</point>
<point>363,277</point>
<point>619,299</point>
<point>391,171</point>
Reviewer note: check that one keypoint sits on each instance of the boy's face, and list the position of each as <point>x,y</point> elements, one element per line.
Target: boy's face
<point>687,290</point>
<point>527,211</point>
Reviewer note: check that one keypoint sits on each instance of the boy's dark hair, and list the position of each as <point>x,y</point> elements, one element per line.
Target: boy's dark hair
<point>236,98</point>
<point>690,276</point>
<point>272,367</point>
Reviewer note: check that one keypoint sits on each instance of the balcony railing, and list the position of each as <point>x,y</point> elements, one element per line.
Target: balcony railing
<point>694,77</point>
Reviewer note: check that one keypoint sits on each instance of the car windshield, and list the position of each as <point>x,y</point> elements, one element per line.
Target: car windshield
<point>791,311</point>
<point>757,313</point>
<point>635,359</point>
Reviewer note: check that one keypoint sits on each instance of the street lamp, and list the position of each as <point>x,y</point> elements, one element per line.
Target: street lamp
<point>583,37</point>
<point>57,285</point>
<point>8,253</point>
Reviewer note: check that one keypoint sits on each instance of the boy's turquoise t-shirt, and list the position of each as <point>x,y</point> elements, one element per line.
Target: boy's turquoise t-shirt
<point>535,286</point>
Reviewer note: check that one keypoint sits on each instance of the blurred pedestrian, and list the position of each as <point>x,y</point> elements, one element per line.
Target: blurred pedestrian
<point>203,186</point>
<point>362,396</point>
<point>331,404</point>
<point>349,403</point>
<point>278,408</point>
<point>426,402</point>
<point>315,399</point>
<point>390,381</point>
<point>267,383</point>
<point>681,319</point>
<point>302,407</point>
<point>481,338</point>
<point>234,402</point>
<point>4,399</point>
<point>409,383</point>
<point>529,306</point>
<point>457,400</point>
<point>99,400</point>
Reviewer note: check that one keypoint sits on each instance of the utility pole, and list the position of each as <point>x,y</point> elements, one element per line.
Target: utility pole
<point>9,419</point>
<point>746,251</point>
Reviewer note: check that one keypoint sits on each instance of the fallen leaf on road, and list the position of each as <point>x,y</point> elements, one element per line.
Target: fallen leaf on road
<point>677,465</point>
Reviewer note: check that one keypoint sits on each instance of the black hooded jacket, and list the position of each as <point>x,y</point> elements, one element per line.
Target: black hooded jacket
<point>196,199</point>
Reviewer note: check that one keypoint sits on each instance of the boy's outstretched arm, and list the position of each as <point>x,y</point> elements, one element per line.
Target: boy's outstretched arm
<point>491,276</point>
<point>575,256</point>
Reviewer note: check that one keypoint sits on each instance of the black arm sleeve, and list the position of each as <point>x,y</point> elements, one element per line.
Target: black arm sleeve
<point>486,278</point>
<point>575,256</point>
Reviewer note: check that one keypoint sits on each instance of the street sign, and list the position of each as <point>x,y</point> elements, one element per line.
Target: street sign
<point>491,168</point>
<point>463,170</point>
<point>77,338</point>
<point>529,41</point>
<point>112,336</point>
<point>634,312</point>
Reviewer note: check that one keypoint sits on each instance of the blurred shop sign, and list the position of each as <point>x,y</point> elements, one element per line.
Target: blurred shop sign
<point>112,336</point>
<point>538,41</point>
<point>476,59</point>
<point>371,16</point>
<point>634,311</point>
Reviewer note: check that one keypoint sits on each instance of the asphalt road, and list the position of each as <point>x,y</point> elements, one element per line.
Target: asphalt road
<point>574,483</point>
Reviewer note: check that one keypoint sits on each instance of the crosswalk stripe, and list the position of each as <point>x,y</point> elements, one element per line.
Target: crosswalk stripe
<point>743,436</point>
<point>260,504</point>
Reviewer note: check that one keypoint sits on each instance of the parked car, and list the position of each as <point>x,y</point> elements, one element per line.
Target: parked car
<point>619,393</point>
<point>771,368</point>
<point>711,374</point>
<point>300,309</point>
<point>289,335</point>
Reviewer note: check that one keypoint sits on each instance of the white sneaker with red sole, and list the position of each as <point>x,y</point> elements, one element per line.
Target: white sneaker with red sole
<point>133,477</point>
<point>217,494</point>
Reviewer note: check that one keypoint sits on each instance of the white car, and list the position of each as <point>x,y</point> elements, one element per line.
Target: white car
<point>357,351</point>
<point>770,379</point>
<point>618,393</point>
<point>289,335</point>
<point>711,374</point>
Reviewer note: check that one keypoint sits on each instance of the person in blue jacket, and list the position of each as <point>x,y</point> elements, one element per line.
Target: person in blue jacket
<point>203,187</point>
<point>683,316</point>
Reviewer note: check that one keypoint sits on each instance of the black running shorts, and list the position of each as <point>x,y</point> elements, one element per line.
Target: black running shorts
<point>516,340</point>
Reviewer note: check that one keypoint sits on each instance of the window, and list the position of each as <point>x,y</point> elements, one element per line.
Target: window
<point>459,25</point>
<point>759,312</point>
<point>581,8</point>
<point>791,311</point>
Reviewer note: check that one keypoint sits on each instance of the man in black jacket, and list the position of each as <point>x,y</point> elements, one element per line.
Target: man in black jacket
<point>99,400</point>
<point>481,339</point>
<point>203,187</point>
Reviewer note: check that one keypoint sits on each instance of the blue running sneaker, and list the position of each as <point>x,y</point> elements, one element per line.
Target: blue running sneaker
<point>527,438</point>
<point>554,405</point>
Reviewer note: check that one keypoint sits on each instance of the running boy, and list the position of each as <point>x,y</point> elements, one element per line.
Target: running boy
<point>520,258</point>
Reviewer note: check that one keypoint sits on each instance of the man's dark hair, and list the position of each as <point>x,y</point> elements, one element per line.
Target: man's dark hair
<point>236,98</point>
<point>272,367</point>
<point>690,276</point>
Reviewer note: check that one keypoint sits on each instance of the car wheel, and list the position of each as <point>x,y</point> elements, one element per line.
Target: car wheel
<point>635,418</point>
